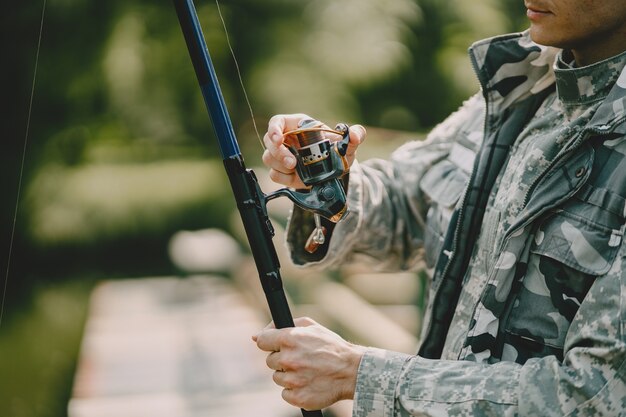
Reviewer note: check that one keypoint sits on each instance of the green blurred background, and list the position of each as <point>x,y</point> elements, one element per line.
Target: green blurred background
<point>120,152</point>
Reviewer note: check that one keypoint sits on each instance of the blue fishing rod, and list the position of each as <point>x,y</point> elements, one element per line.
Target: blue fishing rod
<point>320,164</point>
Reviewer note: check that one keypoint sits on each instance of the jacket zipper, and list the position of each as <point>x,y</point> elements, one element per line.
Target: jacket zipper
<point>575,145</point>
<point>582,136</point>
<point>534,216</point>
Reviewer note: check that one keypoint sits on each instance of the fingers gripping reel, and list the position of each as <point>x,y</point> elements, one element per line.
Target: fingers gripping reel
<point>320,165</point>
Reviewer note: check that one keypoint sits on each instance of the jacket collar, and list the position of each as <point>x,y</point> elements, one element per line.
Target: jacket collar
<point>511,68</point>
<point>611,115</point>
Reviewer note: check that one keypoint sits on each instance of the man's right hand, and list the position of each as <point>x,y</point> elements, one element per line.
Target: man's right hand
<point>281,162</point>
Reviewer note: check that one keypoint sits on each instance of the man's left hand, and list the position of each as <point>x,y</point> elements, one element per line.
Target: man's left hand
<point>315,366</point>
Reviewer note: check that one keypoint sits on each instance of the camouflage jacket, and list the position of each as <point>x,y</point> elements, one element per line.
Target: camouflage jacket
<point>538,330</point>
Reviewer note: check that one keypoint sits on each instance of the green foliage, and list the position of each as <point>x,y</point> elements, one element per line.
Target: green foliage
<point>107,202</point>
<point>116,99</point>
<point>120,153</point>
<point>38,347</point>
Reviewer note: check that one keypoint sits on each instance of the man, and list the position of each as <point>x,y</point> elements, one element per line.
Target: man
<point>518,202</point>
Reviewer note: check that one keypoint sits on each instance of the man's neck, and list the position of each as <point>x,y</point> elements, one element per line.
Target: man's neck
<point>599,50</point>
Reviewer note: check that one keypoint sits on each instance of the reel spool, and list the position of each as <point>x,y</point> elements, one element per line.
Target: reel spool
<point>319,159</point>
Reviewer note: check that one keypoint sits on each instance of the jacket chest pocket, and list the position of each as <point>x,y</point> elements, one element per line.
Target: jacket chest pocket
<point>443,186</point>
<point>572,247</point>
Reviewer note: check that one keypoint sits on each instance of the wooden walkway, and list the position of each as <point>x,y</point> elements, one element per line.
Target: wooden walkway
<point>173,347</point>
<point>181,347</point>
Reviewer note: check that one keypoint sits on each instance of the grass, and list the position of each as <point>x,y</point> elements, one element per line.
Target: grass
<point>39,345</point>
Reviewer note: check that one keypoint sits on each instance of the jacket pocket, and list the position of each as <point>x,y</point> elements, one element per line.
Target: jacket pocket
<point>443,186</point>
<point>568,253</point>
<point>582,236</point>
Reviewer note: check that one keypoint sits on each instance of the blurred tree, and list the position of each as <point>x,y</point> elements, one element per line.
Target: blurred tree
<point>120,153</point>
<point>115,86</point>
<point>439,74</point>
<point>67,93</point>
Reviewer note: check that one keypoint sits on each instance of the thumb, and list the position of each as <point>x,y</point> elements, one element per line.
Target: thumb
<point>357,136</point>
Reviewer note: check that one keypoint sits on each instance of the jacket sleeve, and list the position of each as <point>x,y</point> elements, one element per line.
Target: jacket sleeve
<point>387,208</point>
<point>591,380</point>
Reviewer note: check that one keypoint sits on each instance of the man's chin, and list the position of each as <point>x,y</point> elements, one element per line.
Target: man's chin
<point>541,36</point>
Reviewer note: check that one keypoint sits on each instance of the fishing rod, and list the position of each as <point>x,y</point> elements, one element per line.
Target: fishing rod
<point>320,164</point>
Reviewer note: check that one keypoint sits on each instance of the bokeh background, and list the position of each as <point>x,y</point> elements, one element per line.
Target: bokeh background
<point>120,154</point>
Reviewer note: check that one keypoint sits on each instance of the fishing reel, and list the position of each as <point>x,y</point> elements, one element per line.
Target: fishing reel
<point>320,165</point>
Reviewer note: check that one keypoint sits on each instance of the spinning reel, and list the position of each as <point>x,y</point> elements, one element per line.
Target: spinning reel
<point>320,165</point>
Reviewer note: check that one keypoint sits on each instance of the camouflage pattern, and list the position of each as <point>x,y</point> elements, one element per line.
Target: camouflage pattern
<point>527,310</point>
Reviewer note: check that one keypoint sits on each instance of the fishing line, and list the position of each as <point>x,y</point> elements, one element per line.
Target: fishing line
<point>245,94</point>
<point>19,183</point>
